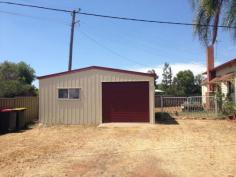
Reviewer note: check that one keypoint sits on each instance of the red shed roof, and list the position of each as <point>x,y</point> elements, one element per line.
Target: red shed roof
<point>99,68</point>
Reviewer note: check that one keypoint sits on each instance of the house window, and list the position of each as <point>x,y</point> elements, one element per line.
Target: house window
<point>71,93</point>
<point>230,87</point>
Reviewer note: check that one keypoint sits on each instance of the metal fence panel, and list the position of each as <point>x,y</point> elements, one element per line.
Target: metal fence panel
<point>194,106</point>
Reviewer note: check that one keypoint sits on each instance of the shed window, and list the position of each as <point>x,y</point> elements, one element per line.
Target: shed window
<point>63,93</point>
<point>71,93</point>
<point>74,93</point>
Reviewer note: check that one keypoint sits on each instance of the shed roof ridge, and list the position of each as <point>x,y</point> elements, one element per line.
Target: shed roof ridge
<point>96,67</point>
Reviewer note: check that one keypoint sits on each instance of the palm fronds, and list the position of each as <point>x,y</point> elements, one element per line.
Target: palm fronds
<point>230,16</point>
<point>207,14</point>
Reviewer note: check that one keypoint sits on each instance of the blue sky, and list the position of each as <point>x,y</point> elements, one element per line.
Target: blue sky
<point>42,40</point>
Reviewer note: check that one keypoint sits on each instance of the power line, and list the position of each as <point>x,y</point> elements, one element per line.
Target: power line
<point>117,17</point>
<point>111,50</point>
<point>67,24</point>
<point>145,45</point>
<point>74,12</point>
<point>34,17</point>
<point>153,21</point>
<point>38,7</point>
<point>86,35</point>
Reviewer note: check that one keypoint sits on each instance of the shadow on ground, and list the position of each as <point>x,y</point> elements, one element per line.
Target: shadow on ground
<point>26,128</point>
<point>165,118</point>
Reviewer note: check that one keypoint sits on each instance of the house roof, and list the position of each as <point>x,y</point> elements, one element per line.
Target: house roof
<point>204,82</point>
<point>216,80</point>
<point>99,68</point>
<point>222,66</point>
<point>226,77</point>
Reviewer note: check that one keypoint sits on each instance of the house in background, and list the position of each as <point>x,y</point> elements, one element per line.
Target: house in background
<point>96,95</point>
<point>220,78</point>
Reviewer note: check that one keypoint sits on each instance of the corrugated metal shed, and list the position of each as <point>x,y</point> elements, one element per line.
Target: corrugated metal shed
<point>88,108</point>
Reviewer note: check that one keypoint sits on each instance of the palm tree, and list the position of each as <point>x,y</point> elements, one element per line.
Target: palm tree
<point>230,16</point>
<point>208,14</point>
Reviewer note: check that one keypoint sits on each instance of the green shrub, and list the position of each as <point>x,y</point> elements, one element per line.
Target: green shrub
<point>16,79</point>
<point>228,108</point>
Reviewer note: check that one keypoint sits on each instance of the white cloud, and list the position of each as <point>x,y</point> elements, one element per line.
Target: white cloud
<point>196,68</point>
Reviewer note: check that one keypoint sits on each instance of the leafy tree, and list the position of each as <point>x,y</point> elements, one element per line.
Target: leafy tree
<point>8,71</point>
<point>167,76</point>
<point>16,79</point>
<point>219,97</point>
<point>166,84</point>
<point>198,79</point>
<point>152,71</point>
<point>184,83</point>
<point>208,14</point>
<point>198,84</point>
<point>26,73</point>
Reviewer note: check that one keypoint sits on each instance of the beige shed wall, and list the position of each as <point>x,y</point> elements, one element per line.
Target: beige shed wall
<point>88,109</point>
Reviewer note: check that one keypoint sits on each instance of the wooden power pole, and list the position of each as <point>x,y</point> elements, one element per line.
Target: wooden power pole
<point>72,38</point>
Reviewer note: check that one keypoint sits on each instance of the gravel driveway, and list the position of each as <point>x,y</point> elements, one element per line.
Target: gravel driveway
<point>193,148</point>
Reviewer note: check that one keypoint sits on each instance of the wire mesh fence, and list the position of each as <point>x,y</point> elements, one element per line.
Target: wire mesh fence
<point>188,107</point>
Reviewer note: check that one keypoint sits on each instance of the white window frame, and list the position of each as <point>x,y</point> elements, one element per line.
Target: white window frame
<point>68,93</point>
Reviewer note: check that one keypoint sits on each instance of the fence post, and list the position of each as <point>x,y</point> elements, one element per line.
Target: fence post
<point>188,104</point>
<point>216,105</point>
<point>161,104</point>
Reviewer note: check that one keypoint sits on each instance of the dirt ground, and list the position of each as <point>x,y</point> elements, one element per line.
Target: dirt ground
<point>191,148</point>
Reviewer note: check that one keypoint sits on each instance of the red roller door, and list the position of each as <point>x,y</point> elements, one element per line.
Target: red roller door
<point>125,101</point>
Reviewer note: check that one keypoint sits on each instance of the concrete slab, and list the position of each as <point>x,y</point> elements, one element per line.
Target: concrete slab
<point>124,125</point>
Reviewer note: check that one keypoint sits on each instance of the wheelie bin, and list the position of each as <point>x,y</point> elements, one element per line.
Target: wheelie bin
<point>20,118</point>
<point>7,120</point>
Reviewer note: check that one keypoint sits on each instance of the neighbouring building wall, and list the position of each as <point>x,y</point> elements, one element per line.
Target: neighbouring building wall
<point>204,91</point>
<point>226,70</point>
<point>223,85</point>
<point>233,95</point>
<point>235,89</point>
<point>224,89</point>
<point>87,109</point>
